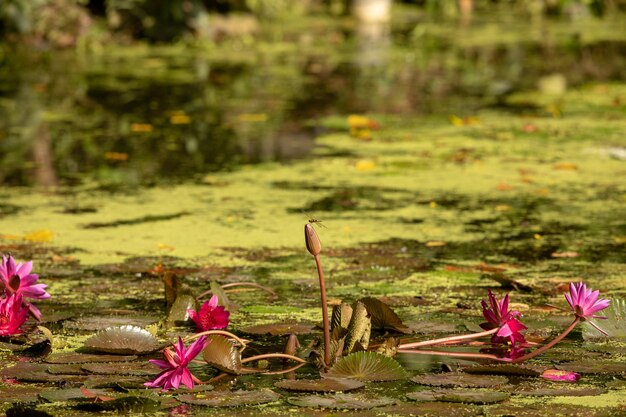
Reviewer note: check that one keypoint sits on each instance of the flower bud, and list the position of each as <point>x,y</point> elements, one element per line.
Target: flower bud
<point>313,244</point>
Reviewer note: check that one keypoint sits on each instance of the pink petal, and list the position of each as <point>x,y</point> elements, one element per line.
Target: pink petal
<point>213,302</point>
<point>557,375</point>
<point>195,348</point>
<point>23,270</point>
<point>591,298</point>
<point>186,379</point>
<point>160,363</point>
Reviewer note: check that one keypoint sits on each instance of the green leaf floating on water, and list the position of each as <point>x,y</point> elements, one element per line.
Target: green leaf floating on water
<point>367,366</point>
<point>614,325</point>
<point>230,398</point>
<point>123,340</point>
<point>320,385</point>
<point>341,401</point>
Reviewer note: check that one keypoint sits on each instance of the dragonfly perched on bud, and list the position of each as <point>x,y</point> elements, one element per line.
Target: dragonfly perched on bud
<point>312,220</point>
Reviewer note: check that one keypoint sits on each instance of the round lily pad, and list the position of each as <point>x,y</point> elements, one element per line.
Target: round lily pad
<point>127,368</point>
<point>123,340</point>
<point>596,367</point>
<point>71,394</point>
<point>95,323</point>
<point>506,369</point>
<point>320,385</point>
<point>73,357</point>
<point>454,379</point>
<point>460,396</point>
<point>279,329</point>
<point>341,401</point>
<point>566,392</point>
<point>230,398</point>
<point>367,366</point>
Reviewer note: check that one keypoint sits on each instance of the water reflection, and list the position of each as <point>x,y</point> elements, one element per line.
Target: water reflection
<point>155,116</point>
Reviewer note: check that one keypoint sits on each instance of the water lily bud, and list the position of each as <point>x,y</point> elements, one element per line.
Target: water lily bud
<point>313,244</point>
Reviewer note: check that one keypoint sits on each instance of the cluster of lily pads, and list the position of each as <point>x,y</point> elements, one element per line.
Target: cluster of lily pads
<point>346,351</point>
<point>345,357</point>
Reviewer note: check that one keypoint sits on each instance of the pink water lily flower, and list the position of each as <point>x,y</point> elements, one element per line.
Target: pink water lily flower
<point>498,315</point>
<point>584,302</point>
<point>17,279</point>
<point>210,316</point>
<point>12,315</point>
<point>175,365</point>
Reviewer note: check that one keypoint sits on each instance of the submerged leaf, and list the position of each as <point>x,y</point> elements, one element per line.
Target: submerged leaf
<point>123,340</point>
<point>383,317</point>
<point>230,398</point>
<point>320,385</point>
<point>341,401</point>
<point>615,324</point>
<point>367,366</point>
<point>558,392</point>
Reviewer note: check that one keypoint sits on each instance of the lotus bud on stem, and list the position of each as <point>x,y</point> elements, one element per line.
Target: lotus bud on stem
<point>314,246</point>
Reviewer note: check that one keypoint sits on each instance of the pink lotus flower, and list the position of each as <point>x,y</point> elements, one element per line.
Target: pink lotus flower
<point>17,279</point>
<point>210,316</point>
<point>12,315</point>
<point>499,316</point>
<point>175,365</point>
<point>584,302</point>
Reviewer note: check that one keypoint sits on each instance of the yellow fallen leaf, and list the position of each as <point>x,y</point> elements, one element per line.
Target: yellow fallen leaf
<point>537,236</point>
<point>432,204</point>
<point>164,247</point>
<point>357,121</point>
<point>116,156</point>
<point>10,237</point>
<point>141,127</point>
<point>252,117</point>
<point>565,166</point>
<point>39,236</point>
<point>435,243</point>
<point>503,207</point>
<point>180,119</point>
<point>564,254</point>
<point>365,165</point>
<point>504,187</point>
<point>620,240</point>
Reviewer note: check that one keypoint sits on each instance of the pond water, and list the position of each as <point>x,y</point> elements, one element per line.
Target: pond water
<point>489,154</point>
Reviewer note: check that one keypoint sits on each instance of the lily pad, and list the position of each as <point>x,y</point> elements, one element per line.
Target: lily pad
<point>320,385</point>
<point>18,394</point>
<point>341,401</point>
<point>123,340</point>
<point>73,357</point>
<point>70,394</point>
<point>383,317</point>
<point>95,323</point>
<point>460,396</point>
<point>129,368</point>
<point>222,354</point>
<point>230,398</point>
<point>596,367</point>
<point>279,329</point>
<point>614,325</point>
<point>567,392</point>
<point>433,409</point>
<point>367,366</point>
<point>179,312</point>
<point>128,404</point>
<point>359,329</point>
<point>539,409</point>
<point>454,379</point>
<point>66,369</point>
<point>506,369</point>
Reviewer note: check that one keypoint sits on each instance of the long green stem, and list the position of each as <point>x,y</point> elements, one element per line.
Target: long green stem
<point>320,273</point>
<point>447,339</point>
<point>547,346</point>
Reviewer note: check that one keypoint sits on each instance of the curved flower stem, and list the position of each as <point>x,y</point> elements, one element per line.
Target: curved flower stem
<point>242,342</point>
<point>218,377</point>
<point>286,371</point>
<point>448,339</point>
<point>548,345</point>
<point>273,355</point>
<point>455,354</point>
<point>320,273</point>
